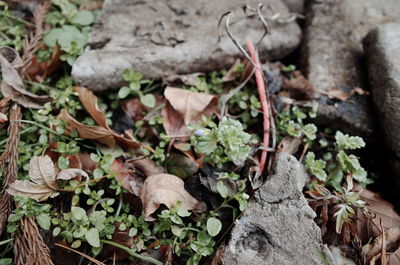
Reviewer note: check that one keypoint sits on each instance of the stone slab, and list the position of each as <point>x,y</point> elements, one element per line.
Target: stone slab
<point>159,38</point>
<point>332,56</point>
<point>382,48</point>
<point>278,226</point>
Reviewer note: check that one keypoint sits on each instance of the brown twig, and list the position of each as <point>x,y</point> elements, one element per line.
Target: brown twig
<point>304,152</point>
<point>264,102</point>
<point>10,156</point>
<point>95,261</point>
<point>32,42</point>
<point>29,248</point>
<point>383,252</point>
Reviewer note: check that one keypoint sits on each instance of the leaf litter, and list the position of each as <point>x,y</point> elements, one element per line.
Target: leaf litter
<point>43,179</point>
<point>169,182</point>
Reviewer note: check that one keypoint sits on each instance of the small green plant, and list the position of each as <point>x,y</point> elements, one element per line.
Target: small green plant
<point>226,142</point>
<point>12,29</point>
<point>291,122</point>
<point>338,163</point>
<point>344,203</point>
<point>29,208</point>
<point>70,29</point>
<point>135,88</point>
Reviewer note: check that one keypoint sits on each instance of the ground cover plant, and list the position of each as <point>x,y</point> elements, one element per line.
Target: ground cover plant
<point>151,171</point>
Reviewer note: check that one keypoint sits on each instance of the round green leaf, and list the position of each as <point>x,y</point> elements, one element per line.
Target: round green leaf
<point>148,100</point>
<point>78,212</point>
<point>92,237</point>
<point>124,92</point>
<point>222,189</point>
<point>213,226</point>
<point>56,231</point>
<point>83,18</point>
<point>76,244</point>
<point>44,221</point>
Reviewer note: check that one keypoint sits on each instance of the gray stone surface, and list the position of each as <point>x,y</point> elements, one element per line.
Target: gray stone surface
<point>382,48</point>
<point>296,6</point>
<point>277,228</point>
<point>332,55</point>
<point>158,38</point>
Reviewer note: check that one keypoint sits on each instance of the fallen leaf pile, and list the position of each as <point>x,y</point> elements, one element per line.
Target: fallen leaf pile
<point>168,190</point>
<point>381,215</point>
<point>299,87</point>
<point>102,133</point>
<point>337,93</point>
<point>12,86</point>
<point>184,107</point>
<point>43,179</point>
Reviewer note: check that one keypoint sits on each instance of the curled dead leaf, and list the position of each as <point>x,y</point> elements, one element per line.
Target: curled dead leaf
<point>42,182</point>
<point>146,166</point>
<point>379,211</point>
<point>3,117</point>
<point>71,173</point>
<point>43,179</point>
<point>188,79</point>
<point>12,85</point>
<point>130,180</point>
<point>103,133</point>
<point>168,190</point>
<point>184,107</point>
<point>390,240</point>
<point>289,145</point>
<point>299,87</point>
<point>337,93</point>
<point>97,133</point>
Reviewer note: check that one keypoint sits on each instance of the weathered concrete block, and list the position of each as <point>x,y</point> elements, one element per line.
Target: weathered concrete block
<point>332,56</point>
<point>159,38</point>
<point>382,48</point>
<point>277,228</point>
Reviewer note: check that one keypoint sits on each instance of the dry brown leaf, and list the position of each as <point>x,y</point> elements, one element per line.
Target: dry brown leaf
<point>338,93</point>
<point>3,117</point>
<point>289,145</point>
<point>391,241</point>
<point>43,179</point>
<point>146,166</point>
<point>89,101</point>
<point>130,181</point>
<point>71,173</point>
<point>97,133</point>
<point>380,210</point>
<point>87,163</point>
<point>134,109</point>
<point>189,79</point>
<point>299,87</point>
<point>168,190</point>
<point>12,85</point>
<point>184,107</point>
<point>102,133</point>
<point>232,73</point>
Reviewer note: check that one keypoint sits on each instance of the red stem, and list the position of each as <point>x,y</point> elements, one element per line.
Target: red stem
<point>264,101</point>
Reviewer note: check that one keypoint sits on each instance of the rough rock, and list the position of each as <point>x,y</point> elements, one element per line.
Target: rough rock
<point>382,48</point>
<point>277,227</point>
<point>159,38</point>
<point>332,56</point>
<point>296,6</point>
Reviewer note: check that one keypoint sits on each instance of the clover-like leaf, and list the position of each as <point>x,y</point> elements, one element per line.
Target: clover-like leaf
<point>293,129</point>
<point>316,167</point>
<point>309,131</point>
<point>344,141</point>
